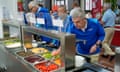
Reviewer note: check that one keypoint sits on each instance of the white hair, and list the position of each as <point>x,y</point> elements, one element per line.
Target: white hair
<point>77,12</point>
<point>107,5</point>
<point>32,3</point>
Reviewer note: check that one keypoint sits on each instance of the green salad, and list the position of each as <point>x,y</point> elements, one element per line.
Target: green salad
<point>11,41</point>
<point>48,56</point>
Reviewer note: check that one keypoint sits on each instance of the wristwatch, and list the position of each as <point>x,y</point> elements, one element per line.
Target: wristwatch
<point>98,45</point>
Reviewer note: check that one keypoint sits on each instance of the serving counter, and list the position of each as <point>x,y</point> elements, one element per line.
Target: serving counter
<point>67,41</point>
<point>11,60</point>
<point>18,63</point>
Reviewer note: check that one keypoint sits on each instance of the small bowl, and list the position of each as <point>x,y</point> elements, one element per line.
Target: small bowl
<point>34,44</point>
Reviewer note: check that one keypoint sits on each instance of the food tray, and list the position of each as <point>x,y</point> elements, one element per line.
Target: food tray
<point>33,59</point>
<point>48,56</point>
<point>46,66</point>
<point>39,50</point>
<point>14,45</point>
<point>23,54</point>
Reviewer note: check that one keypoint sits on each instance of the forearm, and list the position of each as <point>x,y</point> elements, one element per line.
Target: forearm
<point>102,23</point>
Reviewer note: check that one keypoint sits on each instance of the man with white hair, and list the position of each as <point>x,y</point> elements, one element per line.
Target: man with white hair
<point>43,18</point>
<point>35,6</point>
<point>89,35</point>
<point>108,22</point>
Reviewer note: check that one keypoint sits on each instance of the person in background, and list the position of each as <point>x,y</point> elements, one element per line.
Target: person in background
<point>88,14</point>
<point>108,22</point>
<point>28,16</point>
<point>54,11</point>
<point>62,14</point>
<point>89,35</point>
<point>40,12</point>
<point>75,6</point>
<point>43,14</point>
<point>65,18</point>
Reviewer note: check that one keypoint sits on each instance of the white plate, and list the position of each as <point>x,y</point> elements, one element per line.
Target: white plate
<point>13,45</point>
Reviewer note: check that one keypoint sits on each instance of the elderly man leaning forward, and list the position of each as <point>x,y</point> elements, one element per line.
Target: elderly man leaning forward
<point>89,34</point>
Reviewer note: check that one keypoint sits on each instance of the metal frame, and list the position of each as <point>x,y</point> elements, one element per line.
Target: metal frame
<point>10,23</point>
<point>67,43</point>
<point>67,46</point>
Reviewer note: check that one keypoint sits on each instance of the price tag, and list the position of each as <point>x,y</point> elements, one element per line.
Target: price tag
<point>58,22</point>
<point>40,20</point>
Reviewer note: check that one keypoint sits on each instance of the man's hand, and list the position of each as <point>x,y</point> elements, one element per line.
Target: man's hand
<point>93,48</point>
<point>56,52</point>
<point>102,23</point>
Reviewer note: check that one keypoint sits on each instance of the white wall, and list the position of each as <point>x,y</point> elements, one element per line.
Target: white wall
<point>82,4</point>
<point>11,5</point>
<point>1,29</point>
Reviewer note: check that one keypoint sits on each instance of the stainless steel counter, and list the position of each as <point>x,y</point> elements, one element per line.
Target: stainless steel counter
<point>11,62</point>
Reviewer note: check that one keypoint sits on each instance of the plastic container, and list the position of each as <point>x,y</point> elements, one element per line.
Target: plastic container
<point>79,61</point>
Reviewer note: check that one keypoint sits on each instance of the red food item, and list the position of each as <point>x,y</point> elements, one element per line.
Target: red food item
<point>46,66</point>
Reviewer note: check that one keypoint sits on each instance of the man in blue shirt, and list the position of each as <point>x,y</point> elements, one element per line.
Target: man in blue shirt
<point>108,22</point>
<point>89,35</point>
<point>43,18</point>
<point>65,18</point>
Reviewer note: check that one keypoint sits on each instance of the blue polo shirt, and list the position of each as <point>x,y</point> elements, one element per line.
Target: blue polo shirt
<point>109,18</point>
<point>89,37</point>
<point>66,23</point>
<point>44,13</point>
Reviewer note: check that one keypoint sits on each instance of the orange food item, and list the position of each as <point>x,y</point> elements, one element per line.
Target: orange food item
<point>57,61</point>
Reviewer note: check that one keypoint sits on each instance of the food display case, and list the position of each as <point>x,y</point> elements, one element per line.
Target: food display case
<point>11,42</point>
<point>67,41</point>
<point>26,59</point>
<point>66,63</point>
<point>35,56</point>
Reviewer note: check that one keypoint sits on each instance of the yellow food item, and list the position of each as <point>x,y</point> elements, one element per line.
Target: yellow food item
<point>39,50</point>
<point>28,45</point>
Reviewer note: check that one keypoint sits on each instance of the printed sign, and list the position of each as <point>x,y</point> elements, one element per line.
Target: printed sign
<point>58,22</point>
<point>40,20</point>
